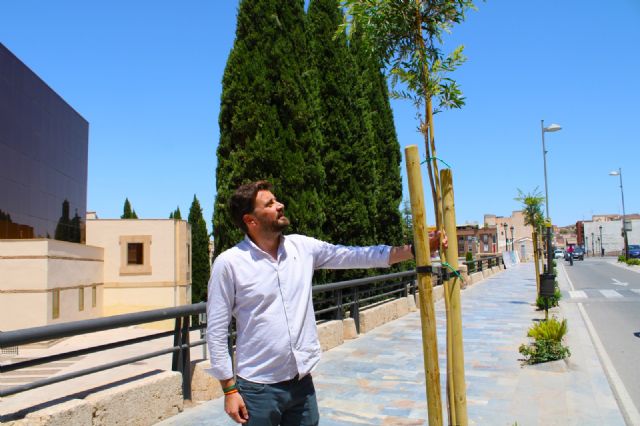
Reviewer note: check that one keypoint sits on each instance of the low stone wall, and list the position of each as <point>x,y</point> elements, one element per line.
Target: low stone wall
<point>138,403</point>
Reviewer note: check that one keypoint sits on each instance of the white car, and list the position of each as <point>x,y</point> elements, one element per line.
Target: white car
<point>558,253</point>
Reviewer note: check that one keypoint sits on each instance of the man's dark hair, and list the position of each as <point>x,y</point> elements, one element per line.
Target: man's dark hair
<point>243,201</point>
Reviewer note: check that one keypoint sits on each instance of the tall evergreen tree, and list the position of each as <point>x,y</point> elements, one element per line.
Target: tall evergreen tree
<point>348,145</point>
<point>268,129</point>
<point>388,182</point>
<point>200,267</point>
<point>128,212</point>
<point>176,214</point>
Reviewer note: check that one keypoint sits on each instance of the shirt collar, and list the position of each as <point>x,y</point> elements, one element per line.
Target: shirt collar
<point>255,249</point>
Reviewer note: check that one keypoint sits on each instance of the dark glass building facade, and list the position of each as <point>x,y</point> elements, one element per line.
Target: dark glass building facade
<point>43,158</point>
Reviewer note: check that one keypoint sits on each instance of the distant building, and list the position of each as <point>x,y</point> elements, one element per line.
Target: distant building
<point>47,272</point>
<point>476,240</point>
<point>512,233</point>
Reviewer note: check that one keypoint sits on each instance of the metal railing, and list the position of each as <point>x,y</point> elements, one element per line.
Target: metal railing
<point>331,301</point>
<point>483,263</point>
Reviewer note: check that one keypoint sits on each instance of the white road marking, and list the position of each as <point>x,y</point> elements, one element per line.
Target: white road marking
<point>610,294</point>
<point>616,282</point>
<point>577,294</point>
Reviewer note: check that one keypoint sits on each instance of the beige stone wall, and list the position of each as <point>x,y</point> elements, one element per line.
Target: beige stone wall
<point>33,270</point>
<point>142,402</point>
<point>165,278</point>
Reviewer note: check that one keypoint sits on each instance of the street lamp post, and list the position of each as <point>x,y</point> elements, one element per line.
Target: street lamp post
<point>551,128</point>
<point>624,227</point>
<point>506,238</point>
<point>512,240</point>
<point>586,244</point>
<point>600,239</point>
<point>593,251</point>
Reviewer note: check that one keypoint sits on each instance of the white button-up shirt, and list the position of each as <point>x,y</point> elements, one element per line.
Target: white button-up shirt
<point>271,301</point>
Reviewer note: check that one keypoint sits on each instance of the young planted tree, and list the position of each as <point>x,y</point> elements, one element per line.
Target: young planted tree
<point>407,34</point>
<point>200,267</point>
<point>128,212</point>
<point>533,216</point>
<point>268,123</point>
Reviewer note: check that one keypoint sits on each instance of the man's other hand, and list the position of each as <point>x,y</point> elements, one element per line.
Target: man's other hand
<point>235,408</point>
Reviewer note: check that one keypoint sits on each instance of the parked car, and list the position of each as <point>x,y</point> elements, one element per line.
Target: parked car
<point>558,253</point>
<point>634,251</point>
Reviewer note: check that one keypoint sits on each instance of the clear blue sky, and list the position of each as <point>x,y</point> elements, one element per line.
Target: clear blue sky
<point>147,76</point>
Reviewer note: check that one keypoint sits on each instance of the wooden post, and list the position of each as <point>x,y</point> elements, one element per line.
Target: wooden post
<point>534,237</point>
<point>459,385</point>
<point>427,311</point>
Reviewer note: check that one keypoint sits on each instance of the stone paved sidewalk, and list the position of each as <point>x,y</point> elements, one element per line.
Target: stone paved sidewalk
<point>378,378</point>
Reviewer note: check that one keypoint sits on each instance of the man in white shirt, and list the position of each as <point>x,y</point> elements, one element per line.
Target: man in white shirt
<point>265,283</point>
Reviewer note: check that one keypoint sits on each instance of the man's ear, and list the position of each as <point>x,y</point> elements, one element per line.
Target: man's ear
<point>248,219</point>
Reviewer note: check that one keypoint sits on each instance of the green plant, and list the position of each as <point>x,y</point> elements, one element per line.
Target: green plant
<point>471,267</point>
<point>547,344</point>
<point>552,301</point>
<point>551,329</point>
<point>544,351</point>
<point>621,258</point>
<point>633,261</point>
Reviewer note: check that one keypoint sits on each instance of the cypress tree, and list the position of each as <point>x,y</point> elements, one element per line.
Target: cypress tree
<point>128,212</point>
<point>267,122</point>
<point>348,145</point>
<point>386,149</point>
<point>176,214</point>
<point>200,267</point>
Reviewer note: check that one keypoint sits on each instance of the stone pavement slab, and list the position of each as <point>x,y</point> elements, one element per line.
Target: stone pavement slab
<point>378,378</point>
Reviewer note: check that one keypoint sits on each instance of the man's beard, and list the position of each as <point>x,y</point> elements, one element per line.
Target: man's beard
<point>280,224</point>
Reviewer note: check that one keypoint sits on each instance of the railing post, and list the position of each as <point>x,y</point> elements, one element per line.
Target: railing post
<point>355,310</point>
<point>340,310</point>
<point>185,355</point>
<point>175,357</point>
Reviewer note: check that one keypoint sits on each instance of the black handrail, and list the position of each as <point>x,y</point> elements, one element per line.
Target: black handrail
<point>363,292</point>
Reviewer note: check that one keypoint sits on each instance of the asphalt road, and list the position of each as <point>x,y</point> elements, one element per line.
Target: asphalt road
<point>610,296</point>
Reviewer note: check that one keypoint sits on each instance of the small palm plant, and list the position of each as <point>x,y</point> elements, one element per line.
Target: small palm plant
<point>547,344</point>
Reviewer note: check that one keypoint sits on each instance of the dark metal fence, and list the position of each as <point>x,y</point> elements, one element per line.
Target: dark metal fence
<point>331,301</point>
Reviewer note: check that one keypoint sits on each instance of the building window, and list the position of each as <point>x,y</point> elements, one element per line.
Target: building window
<point>55,309</point>
<point>135,254</point>
<point>94,296</point>
<point>81,299</point>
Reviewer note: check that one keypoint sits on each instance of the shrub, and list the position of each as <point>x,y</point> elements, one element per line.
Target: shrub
<point>633,261</point>
<point>551,301</point>
<point>621,258</point>
<point>547,344</point>
<point>471,267</point>
<point>551,329</point>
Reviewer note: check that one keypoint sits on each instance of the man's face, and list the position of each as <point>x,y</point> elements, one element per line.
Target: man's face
<point>269,213</point>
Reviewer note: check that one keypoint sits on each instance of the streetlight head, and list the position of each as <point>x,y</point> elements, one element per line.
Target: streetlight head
<point>552,128</point>
<point>614,173</point>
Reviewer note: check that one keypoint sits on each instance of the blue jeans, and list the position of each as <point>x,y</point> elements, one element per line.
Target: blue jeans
<point>289,403</point>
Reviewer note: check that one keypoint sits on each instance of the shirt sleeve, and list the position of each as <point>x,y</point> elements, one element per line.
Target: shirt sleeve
<point>332,256</point>
<point>220,302</point>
